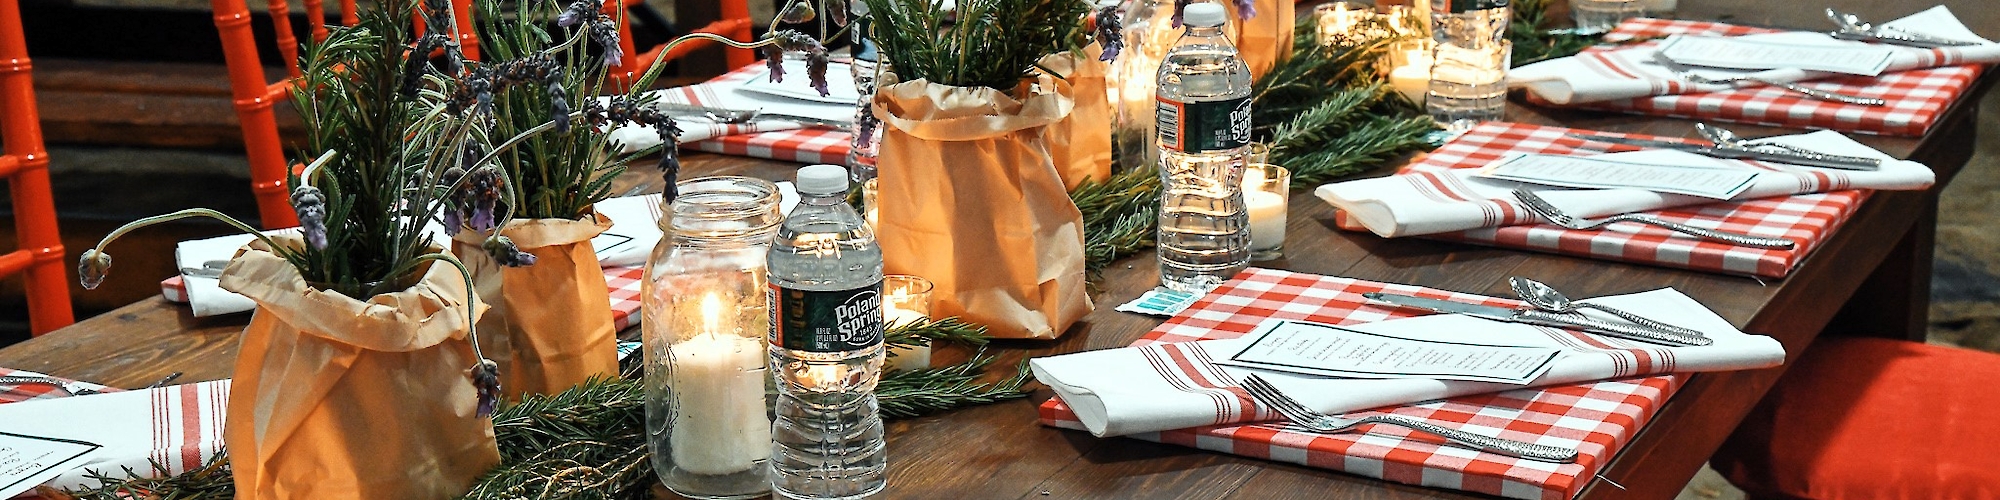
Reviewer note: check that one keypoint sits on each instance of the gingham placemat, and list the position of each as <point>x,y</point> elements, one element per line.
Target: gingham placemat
<point>1807,219</point>
<point>1596,418</point>
<point>1915,98</point>
<point>624,283</point>
<point>805,145</point>
<point>23,392</point>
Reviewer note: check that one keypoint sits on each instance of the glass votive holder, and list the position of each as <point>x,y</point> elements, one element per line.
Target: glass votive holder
<point>906,300</point>
<point>1600,16</point>
<point>1267,192</point>
<point>1341,23</point>
<point>1409,64</point>
<point>1468,84</point>
<point>870,192</point>
<point>1258,153</point>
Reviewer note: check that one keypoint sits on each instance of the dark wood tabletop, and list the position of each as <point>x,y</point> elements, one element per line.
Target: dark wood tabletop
<point>1880,259</point>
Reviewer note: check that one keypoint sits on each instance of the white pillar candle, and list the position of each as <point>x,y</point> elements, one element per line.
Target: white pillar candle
<point>1267,218</point>
<point>717,381</point>
<point>916,357</point>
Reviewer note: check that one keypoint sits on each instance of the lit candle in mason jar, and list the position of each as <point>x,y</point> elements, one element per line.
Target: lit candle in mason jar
<point>1266,189</point>
<point>718,385</point>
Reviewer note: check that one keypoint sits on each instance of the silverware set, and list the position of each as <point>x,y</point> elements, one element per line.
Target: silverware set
<point>61,385</point>
<point>1724,144</point>
<point>1298,413</point>
<point>745,116</point>
<point>1851,27</point>
<point>1540,207</point>
<point>1683,72</point>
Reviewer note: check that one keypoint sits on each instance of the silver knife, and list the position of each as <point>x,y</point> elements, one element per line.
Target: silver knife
<point>1737,153</point>
<point>1539,317</point>
<point>1903,39</point>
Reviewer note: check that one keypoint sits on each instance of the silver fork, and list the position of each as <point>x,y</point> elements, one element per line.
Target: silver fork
<point>19,380</point>
<point>1305,417</point>
<point>1541,207</point>
<point>1853,28</point>
<point>1682,71</point>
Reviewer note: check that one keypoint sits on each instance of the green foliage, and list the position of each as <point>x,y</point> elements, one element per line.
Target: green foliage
<point>982,43</point>
<point>380,180</point>
<point>1533,36</point>
<point>557,174</point>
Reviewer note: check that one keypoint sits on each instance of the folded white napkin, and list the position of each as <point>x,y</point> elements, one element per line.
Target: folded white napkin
<point>635,226</point>
<point>205,295</point>
<point>1428,203</point>
<point>1116,392</point>
<point>733,96</point>
<point>1630,73</point>
<point>179,427</point>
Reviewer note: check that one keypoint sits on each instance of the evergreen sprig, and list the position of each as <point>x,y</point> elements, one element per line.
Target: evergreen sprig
<point>904,394</point>
<point>557,173</point>
<point>926,331</point>
<point>1534,38</point>
<point>977,43</point>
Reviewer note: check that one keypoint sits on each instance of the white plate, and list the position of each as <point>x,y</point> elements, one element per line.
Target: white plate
<point>839,84</point>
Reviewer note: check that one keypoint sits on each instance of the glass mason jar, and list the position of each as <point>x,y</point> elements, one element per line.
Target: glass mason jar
<point>708,388</point>
<point>1130,81</point>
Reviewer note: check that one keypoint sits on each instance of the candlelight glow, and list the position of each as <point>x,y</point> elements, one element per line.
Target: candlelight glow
<point>711,313</point>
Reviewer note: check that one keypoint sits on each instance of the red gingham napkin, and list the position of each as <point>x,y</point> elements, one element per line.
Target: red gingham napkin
<point>24,392</point>
<point>1915,98</point>
<point>624,283</point>
<point>1600,416</point>
<point>1806,219</point>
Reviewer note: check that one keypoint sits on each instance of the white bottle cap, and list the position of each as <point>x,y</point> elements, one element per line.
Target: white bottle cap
<point>1204,14</point>
<point>822,179</point>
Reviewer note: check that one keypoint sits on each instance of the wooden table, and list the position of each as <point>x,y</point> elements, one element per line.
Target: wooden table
<point>999,451</point>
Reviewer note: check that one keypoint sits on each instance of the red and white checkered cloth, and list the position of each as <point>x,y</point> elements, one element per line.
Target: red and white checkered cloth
<point>1599,417</point>
<point>805,145</point>
<point>1915,98</point>
<point>624,283</point>
<point>1806,219</point>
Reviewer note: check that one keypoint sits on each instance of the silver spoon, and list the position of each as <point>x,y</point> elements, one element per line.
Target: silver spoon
<point>1546,298</point>
<point>1725,138</point>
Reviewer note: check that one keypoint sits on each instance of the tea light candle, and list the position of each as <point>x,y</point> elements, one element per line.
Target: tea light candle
<point>718,380</point>
<point>1338,21</point>
<point>907,299</point>
<point>1412,78</point>
<point>1265,190</point>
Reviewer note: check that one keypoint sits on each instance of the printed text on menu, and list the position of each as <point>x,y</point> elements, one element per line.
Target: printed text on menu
<point>1327,350</point>
<point>1579,172</point>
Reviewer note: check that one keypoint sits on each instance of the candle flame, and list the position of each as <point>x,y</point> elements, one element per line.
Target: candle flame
<point>711,313</point>
<point>1253,179</point>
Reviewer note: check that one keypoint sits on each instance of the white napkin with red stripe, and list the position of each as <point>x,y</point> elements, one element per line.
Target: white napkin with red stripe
<point>1158,387</point>
<point>1419,203</point>
<point>729,94</point>
<point>179,427</point>
<point>1629,73</point>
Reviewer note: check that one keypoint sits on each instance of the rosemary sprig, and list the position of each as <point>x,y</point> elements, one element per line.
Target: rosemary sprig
<point>211,481</point>
<point>904,394</point>
<point>927,331</point>
<point>1533,38</point>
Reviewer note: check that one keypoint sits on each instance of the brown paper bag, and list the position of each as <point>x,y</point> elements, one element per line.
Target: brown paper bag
<point>337,398</point>
<point>549,326</point>
<point>1080,144</point>
<point>971,201</point>
<point>1265,40</point>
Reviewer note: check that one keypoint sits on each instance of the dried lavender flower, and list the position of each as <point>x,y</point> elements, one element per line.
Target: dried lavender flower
<point>816,64</point>
<point>92,267</point>
<point>454,213</point>
<point>1110,33</point>
<point>310,205</point>
<point>798,12</point>
<point>483,190</point>
<point>559,106</point>
<point>418,61</point>
<point>1180,6</point>
<point>836,11</point>
<point>774,60</point>
<point>486,379</point>
<point>577,12</point>
<point>1246,9</point>
<point>605,33</point>
<point>816,57</point>
<point>503,250</point>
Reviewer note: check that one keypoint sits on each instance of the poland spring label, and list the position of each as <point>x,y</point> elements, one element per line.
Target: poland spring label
<point>1204,125</point>
<point>830,321</point>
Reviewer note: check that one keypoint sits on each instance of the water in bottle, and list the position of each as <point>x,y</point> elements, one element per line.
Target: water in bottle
<point>826,345</point>
<point>1203,115</point>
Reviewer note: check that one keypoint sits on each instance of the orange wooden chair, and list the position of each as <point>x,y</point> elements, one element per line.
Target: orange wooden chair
<point>254,97</point>
<point>735,24</point>
<point>26,166</point>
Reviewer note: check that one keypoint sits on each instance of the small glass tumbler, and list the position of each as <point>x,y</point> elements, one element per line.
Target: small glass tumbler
<point>906,300</point>
<point>1600,16</point>
<point>1267,192</point>
<point>1341,23</point>
<point>1468,83</point>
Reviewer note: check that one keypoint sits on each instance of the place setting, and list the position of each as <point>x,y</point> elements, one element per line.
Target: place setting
<point>1726,204</point>
<point>1889,78</point>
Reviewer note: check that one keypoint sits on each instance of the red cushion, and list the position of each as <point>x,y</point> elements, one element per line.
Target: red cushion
<point>1873,418</point>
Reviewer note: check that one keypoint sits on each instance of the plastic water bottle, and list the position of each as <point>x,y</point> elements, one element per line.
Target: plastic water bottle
<point>1468,62</point>
<point>826,345</point>
<point>1204,137</point>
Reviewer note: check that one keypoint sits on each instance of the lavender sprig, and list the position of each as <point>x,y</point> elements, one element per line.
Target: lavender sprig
<point>310,205</point>
<point>503,250</point>
<point>1110,32</point>
<point>794,41</point>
